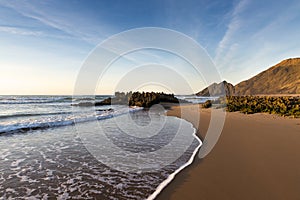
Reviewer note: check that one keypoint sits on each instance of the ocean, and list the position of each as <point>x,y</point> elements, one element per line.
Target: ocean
<point>51,149</point>
<point>196,99</point>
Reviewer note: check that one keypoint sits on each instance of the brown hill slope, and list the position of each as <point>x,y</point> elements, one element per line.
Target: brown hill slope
<point>283,78</point>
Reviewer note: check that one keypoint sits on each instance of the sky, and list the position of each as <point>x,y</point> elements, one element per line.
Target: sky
<point>43,44</point>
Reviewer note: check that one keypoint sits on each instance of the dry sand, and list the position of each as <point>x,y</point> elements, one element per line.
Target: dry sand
<point>257,157</point>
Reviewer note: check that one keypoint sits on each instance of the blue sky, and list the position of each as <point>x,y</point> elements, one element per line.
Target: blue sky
<point>44,43</point>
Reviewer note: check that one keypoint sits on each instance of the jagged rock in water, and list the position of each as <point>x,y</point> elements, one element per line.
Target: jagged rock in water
<point>144,99</point>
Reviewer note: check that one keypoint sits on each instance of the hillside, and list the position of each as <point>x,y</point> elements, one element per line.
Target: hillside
<point>283,78</point>
<point>217,89</point>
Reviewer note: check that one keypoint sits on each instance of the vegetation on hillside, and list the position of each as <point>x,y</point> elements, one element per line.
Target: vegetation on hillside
<point>285,106</point>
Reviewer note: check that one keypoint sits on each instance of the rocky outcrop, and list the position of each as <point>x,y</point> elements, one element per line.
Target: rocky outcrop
<point>144,99</point>
<point>217,89</point>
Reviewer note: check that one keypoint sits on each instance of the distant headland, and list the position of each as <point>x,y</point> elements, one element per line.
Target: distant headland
<point>275,91</point>
<point>280,79</point>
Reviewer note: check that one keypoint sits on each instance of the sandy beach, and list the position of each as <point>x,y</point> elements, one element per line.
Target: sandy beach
<point>256,157</point>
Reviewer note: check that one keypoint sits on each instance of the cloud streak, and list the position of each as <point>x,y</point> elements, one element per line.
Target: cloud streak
<point>19,31</point>
<point>226,45</point>
<point>69,27</point>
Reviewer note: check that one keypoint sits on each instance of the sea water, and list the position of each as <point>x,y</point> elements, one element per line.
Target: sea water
<point>50,149</point>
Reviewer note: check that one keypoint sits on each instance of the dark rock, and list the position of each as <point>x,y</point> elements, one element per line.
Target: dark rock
<point>207,104</point>
<point>144,99</point>
<point>104,102</point>
<point>83,104</point>
<point>105,110</point>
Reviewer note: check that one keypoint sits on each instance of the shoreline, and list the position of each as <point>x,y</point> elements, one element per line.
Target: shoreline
<point>171,177</point>
<point>254,152</point>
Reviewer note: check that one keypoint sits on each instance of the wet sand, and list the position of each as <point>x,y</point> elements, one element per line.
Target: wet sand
<point>256,157</point>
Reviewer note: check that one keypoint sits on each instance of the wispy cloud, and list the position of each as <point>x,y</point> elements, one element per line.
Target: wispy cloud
<point>68,25</point>
<point>19,31</point>
<point>227,44</point>
<point>242,36</point>
<point>260,39</point>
